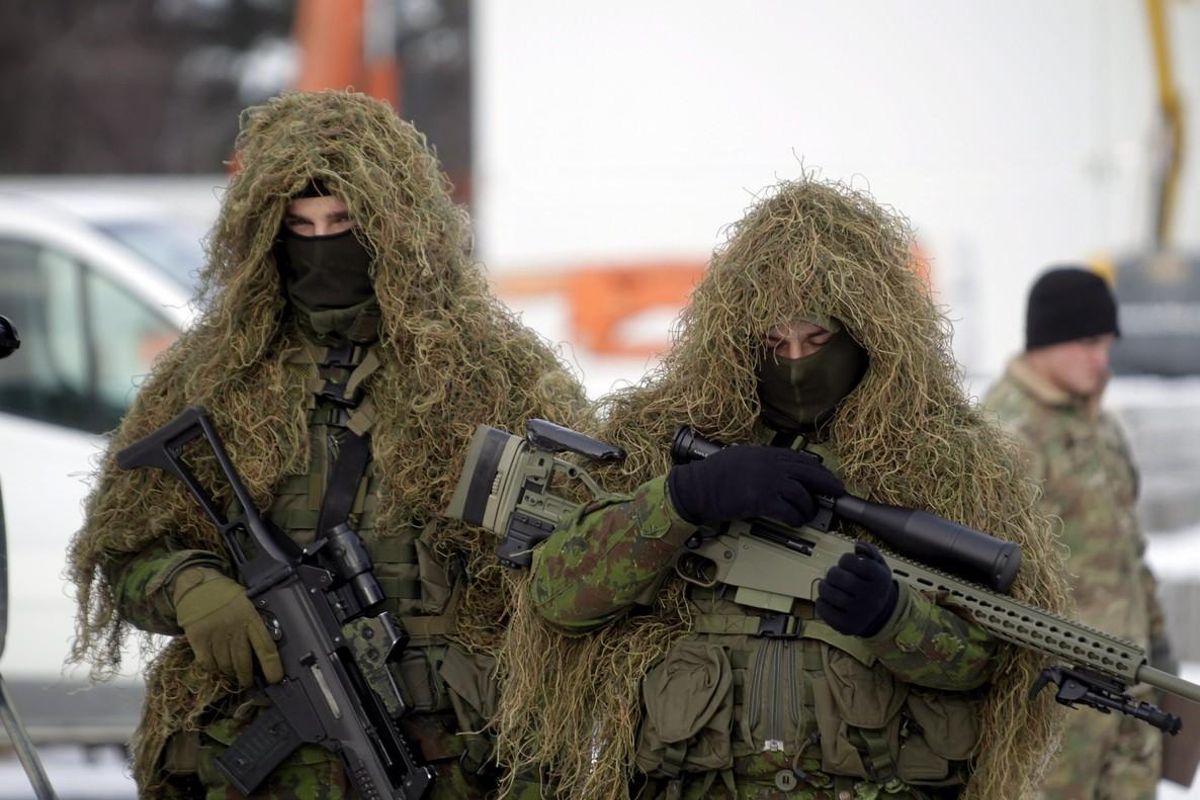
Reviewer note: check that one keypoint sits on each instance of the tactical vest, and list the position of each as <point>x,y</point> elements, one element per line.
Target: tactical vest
<point>447,689</point>
<point>450,693</point>
<point>791,703</point>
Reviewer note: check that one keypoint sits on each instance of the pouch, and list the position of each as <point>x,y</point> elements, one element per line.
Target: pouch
<point>851,698</point>
<point>471,686</point>
<point>420,685</point>
<point>688,697</point>
<point>945,729</point>
<point>436,583</point>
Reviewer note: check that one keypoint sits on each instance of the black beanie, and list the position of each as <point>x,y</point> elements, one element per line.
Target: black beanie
<point>1068,303</point>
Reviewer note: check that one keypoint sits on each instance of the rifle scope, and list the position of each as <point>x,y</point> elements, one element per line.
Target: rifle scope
<point>918,535</point>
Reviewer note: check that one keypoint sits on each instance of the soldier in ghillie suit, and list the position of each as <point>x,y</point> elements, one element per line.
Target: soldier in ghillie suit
<point>340,294</point>
<point>1050,398</point>
<point>809,328</point>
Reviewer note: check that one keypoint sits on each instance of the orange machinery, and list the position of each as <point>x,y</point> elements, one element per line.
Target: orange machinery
<point>348,43</point>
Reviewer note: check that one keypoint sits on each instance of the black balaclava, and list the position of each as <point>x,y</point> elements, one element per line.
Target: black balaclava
<point>328,283</point>
<point>802,394</point>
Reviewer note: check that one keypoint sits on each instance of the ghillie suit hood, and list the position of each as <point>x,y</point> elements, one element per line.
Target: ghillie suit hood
<point>907,435</point>
<point>452,357</point>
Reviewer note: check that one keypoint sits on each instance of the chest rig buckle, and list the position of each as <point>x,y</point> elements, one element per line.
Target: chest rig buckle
<point>340,360</point>
<point>779,626</point>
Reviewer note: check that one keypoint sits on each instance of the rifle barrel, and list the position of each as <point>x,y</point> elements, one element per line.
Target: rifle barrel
<point>1168,682</point>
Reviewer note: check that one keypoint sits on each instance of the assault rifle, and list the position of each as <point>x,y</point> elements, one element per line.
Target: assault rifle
<point>321,605</point>
<point>509,486</point>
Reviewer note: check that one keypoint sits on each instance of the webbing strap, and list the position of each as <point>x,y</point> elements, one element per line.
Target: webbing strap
<point>873,749</point>
<point>400,588</point>
<point>750,625</point>
<point>672,758</point>
<point>369,365</point>
<point>398,550</point>
<point>362,419</point>
<point>340,491</point>
<point>850,645</point>
<point>439,625</point>
<point>354,451</point>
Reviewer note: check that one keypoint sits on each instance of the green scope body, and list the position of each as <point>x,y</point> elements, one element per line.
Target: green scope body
<point>917,535</point>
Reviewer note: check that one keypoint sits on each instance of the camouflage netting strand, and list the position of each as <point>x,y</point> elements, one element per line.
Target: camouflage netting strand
<point>907,435</point>
<point>452,357</point>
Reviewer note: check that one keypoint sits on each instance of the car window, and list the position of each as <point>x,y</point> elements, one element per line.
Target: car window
<point>48,377</point>
<point>84,340</point>
<point>128,337</point>
<point>174,247</point>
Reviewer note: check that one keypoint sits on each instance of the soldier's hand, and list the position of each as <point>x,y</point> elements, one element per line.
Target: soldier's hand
<point>749,481</point>
<point>858,595</point>
<point>221,625</point>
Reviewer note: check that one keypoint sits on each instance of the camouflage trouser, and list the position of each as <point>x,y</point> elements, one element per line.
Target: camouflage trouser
<point>1105,757</point>
<point>314,773</point>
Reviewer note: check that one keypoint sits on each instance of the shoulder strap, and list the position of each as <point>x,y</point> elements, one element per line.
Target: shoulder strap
<point>354,449</point>
<point>347,471</point>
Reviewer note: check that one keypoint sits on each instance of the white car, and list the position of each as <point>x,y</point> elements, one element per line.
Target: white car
<point>96,286</point>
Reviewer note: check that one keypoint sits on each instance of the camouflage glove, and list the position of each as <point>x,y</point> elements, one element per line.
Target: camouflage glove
<point>858,595</point>
<point>749,481</point>
<point>222,627</point>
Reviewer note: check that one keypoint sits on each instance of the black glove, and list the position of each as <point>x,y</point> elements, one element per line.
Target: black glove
<point>858,596</point>
<point>749,481</point>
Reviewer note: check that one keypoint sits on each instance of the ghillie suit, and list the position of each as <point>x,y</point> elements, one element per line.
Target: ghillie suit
<point>450,357</point>
<point>907,435</point>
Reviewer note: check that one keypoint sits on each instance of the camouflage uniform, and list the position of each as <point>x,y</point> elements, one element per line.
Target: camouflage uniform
<point>811,714</point>
<point>1079,455</point>
<point>450,691</point>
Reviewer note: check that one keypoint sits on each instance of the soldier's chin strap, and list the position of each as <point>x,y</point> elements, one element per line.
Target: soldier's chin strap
<point>1083,687</point>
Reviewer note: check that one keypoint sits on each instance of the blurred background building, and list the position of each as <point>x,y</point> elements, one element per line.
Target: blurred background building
<point>601,150</point>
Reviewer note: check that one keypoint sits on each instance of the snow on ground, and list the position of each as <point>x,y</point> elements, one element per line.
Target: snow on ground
<point>74,774</point>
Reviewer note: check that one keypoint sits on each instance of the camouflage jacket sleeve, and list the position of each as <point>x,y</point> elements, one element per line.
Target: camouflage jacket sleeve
<point>141,583</point>
<point>612,554</point>
<point>929,645</point>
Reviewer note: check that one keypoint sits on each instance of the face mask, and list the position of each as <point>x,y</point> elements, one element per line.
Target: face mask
<point>327,281</point>
<point>325,272</point>
<point>801,394</point>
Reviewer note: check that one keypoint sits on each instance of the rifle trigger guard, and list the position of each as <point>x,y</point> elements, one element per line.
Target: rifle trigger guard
<point>696,570</point>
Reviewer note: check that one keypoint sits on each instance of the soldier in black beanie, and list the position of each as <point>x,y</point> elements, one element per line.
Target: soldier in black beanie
<point>1069,303</point>
<point>1050,398</point>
